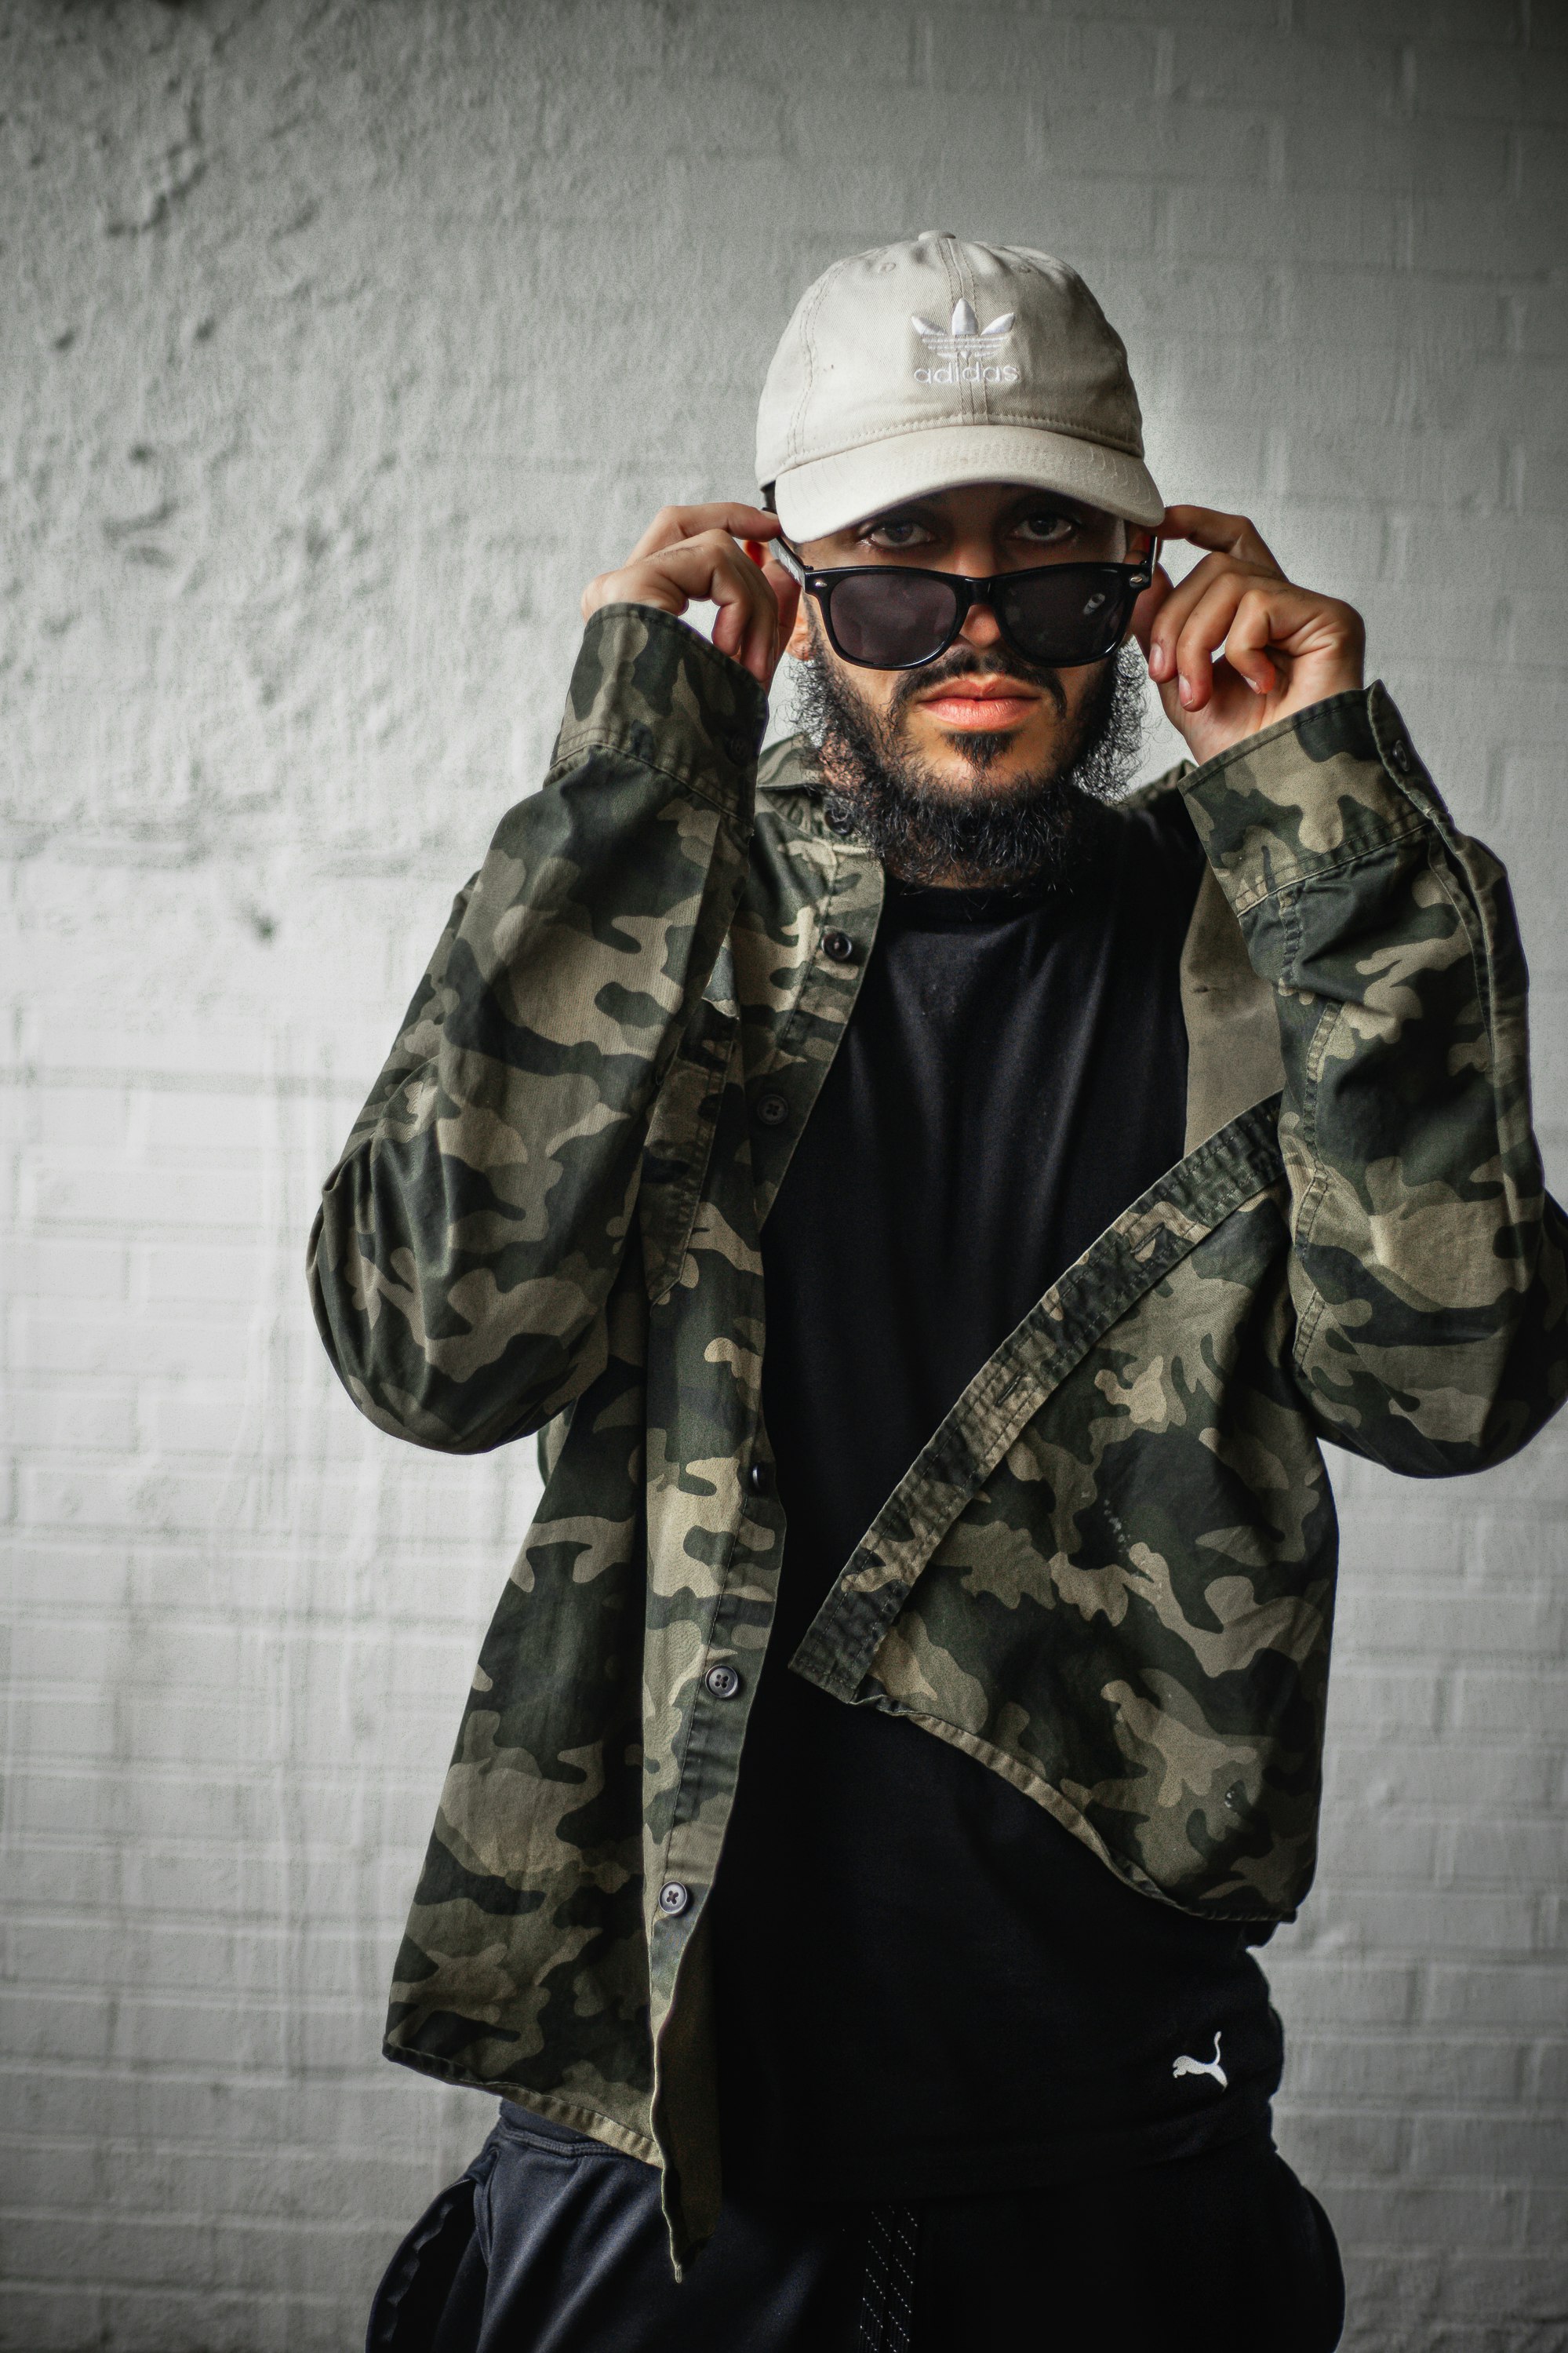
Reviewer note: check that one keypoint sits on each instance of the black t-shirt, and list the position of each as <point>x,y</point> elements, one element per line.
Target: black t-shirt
<point>925,1984</point>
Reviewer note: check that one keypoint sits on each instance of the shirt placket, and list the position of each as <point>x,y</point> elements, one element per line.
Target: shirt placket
<point>779,1096</point>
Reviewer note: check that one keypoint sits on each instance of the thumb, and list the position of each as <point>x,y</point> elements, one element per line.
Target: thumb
<point>784,585</point>
<point>786,593</point>
<point>1146,610</point>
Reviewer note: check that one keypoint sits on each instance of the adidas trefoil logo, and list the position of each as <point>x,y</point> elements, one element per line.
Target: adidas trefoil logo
<point>965,329</point>
<point>966,349</point>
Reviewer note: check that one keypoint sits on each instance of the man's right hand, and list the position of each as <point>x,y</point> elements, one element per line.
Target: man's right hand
<point>692,556</point>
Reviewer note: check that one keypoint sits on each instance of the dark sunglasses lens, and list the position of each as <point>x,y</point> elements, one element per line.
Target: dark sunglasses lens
<point>889,618</point>
<point>1074,614</point>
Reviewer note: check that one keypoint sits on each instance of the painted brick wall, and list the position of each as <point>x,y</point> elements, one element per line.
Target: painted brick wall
<point>338,345</point>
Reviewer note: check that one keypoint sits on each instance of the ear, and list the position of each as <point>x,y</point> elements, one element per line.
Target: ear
<point>798,643</point>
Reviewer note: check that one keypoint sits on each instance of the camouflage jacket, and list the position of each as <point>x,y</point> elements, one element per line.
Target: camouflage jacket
<point>1110,1574</point>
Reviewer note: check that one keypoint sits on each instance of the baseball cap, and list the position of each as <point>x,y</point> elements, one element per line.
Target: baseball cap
<point>912,368</point>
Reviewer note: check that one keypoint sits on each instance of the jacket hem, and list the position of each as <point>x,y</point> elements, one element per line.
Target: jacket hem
<point>1153,1235</point>
<point>542,2104</point>
<point>1061,1810</point>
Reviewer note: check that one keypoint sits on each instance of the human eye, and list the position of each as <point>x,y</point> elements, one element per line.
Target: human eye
<point>894,534</point>
<point>1045,527</point>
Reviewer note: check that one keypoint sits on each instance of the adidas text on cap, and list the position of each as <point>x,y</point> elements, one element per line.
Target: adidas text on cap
<point>912,368</point>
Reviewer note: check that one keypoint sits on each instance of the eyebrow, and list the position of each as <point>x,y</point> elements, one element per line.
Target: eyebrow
<point>905,511</point>
<point>922,510</point>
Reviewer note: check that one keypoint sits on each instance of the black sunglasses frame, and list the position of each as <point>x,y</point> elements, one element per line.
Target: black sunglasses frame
<point>1132,579</point>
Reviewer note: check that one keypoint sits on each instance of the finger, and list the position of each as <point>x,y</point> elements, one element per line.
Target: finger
<point>697,571</point>
<point>1252,632</point>
<point>1202,634</point>
<point>1184,600</point>
<point>1259,622</point>
<point>1227,534</point>
<point>748,634</point>
<point>635,585</point>
<point>784,585</point>
<point>710,568</point>
<point>670,581</point>
<point>673,524</point>
<point>1294,624</point>
<point>1146,611</point>
<point>786,599</point>
<point>746,626</point>
<point>699,567</point>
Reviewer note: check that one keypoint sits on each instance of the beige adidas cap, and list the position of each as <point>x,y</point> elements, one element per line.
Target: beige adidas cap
<point>914,368</point>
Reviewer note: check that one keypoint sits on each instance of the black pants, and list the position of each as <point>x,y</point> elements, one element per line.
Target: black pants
<point>553,2243</point>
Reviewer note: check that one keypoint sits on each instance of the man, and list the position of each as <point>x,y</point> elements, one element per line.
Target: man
<point>933,1210</point>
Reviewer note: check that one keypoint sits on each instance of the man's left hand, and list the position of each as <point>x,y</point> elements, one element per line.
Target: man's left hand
<point>1284,648</point>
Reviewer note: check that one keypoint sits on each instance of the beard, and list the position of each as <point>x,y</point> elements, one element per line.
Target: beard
<point>1041,828</point>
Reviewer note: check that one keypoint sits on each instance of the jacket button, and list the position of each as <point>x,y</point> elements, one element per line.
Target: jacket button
<point>838,946</point>
<point>722,1681</point>
<point>1399,753</point>
<point>772,1110</point>
<point>759,1479</point>
<point>673,1899</point>
<point>839,822</point>
<point>740,748</point>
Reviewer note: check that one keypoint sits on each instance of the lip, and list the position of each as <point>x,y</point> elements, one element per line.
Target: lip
<point>990,704</point>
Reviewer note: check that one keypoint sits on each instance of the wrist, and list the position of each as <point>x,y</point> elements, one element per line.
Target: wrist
<point>1316,789</point>
<point>626,588</point>
<point>649,686</point>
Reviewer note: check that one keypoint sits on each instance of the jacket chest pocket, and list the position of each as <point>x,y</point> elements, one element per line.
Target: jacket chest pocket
<point>680,1141</point>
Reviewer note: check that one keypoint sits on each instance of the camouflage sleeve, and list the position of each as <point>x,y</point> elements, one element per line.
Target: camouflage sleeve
<point>1428,1267</point>
<point>470,1235</point>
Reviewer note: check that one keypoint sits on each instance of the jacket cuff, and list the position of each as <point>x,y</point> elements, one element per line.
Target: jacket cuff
<point>1309,794</point>
<point>649,687</point>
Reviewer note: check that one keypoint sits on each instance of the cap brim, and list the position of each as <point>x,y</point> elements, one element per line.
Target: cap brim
<point>830,494</point>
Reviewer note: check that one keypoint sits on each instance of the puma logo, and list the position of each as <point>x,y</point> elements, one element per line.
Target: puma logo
<point>1185,2066</point>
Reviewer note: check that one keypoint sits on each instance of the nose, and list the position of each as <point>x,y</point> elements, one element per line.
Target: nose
<point>980,627</point>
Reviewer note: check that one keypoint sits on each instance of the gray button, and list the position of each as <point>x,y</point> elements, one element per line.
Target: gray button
<point>759,1479</point>
<point>840,823</point>
<point>722,1681</point>
<point>838,946</point>
<point>772,1110</point>
<point>673,1898</point>
<point>739,747</point>
<point>1399,753</point>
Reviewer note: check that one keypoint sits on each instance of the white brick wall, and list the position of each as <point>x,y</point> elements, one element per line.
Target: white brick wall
<point>337,347</point>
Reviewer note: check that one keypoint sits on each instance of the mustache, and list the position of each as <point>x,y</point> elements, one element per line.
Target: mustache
<point>963,660</point>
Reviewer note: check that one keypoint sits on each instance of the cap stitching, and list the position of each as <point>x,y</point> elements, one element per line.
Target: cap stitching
<point>1145,490</point>
<point>1035,422</point>
<point>975,394</point>
<point>956,290</point>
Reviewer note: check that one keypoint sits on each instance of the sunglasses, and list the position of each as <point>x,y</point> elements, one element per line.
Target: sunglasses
<point>895,616</point>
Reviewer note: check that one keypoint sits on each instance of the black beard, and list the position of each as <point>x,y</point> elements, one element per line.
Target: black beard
<point>1041,828</point>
